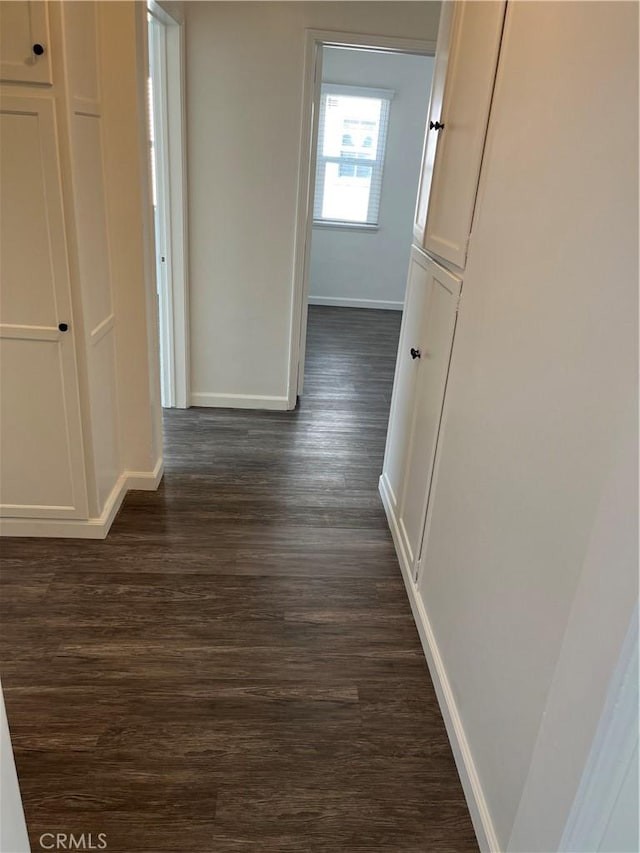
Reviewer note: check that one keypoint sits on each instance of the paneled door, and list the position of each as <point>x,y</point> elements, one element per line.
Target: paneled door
<point>466,62</point>
<point>404,385</point>
<point>41,452</point>
<point>435,112</point>
<point>24,42</point>
<point>430,350</point>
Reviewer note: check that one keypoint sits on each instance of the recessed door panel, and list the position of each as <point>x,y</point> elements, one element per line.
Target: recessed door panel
<point>104,426</point>
<point>35,458</point>
<point>93,247</point>
<point>82,51</point>
<point>28,289</point>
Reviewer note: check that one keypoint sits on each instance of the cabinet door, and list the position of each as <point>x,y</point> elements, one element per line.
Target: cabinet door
<point>433,344</point>
<point>400,418</point>
<point>24,32</point>
<point>435,111</point>
<point>468,47</point>
<point>41,453</point>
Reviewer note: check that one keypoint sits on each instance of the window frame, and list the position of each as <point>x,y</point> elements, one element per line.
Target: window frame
<point>372,222</point>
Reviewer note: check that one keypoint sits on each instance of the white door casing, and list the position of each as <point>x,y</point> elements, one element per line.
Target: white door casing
<point>315,41</point>
<point>167,69</point>
<point>162,221</point>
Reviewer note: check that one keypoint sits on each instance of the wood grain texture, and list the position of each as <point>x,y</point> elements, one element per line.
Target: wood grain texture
<point>236,668</point>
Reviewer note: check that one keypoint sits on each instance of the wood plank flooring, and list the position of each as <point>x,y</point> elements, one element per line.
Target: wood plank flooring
<point>235,668</point>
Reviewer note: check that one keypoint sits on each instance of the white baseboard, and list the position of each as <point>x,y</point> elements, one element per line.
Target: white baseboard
<point>339,302</point>
<point>145,481</point>
<point>238,401</point>
<point>480,816</point>
<point>86,528</point>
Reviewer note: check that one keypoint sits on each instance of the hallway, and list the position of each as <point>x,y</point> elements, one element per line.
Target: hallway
<point>236,668</point>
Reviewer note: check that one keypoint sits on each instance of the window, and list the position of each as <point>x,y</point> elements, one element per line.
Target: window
<point>352,133</point>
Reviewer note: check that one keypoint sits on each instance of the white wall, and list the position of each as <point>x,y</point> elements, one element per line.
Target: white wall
<point>583,690</point>
<point>131,238</point>
<point>531,567</point>
<point>245,64</point>
<point>369,268</point>
<point>622,831</point>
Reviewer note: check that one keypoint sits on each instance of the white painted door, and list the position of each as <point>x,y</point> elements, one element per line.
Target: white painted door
<point>435,111</point>
<point>468,47</point>
<point>24,42</point>
<point>431,352</point>
<point>401,414</point>
<point>41,453</point>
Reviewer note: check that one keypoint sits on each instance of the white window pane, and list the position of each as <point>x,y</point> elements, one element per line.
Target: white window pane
<point>352,131</point>
<point>351,127</point>
<point>346,192</point>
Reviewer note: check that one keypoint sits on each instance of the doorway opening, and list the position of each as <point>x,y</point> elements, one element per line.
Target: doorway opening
<point>168,173</point>
<point>366,107</point>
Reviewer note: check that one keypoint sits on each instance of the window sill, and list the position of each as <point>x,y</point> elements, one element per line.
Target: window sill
<point>344,226</point>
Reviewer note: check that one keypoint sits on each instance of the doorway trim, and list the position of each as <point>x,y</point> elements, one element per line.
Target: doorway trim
<point>315,41</point>
<point>175,336</point>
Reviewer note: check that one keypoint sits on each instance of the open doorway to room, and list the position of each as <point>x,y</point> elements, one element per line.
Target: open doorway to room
<point>370,106</point>
<point>166,141</point>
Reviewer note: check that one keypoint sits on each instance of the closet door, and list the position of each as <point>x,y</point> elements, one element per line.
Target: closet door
<point>41,453</point>
<point>401,414</point>
<point>435,111</point>
<point>432,350</point>
<point>24,42</point>
<point>468,46</point>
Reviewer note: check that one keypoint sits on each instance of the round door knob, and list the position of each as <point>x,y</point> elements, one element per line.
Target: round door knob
<point>415,353</point>
<point>435,125</point>
<point>38,49</point>
<point>63,327</point>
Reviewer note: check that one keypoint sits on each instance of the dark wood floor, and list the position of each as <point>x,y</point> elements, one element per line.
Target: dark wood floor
<point>236,667</point>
